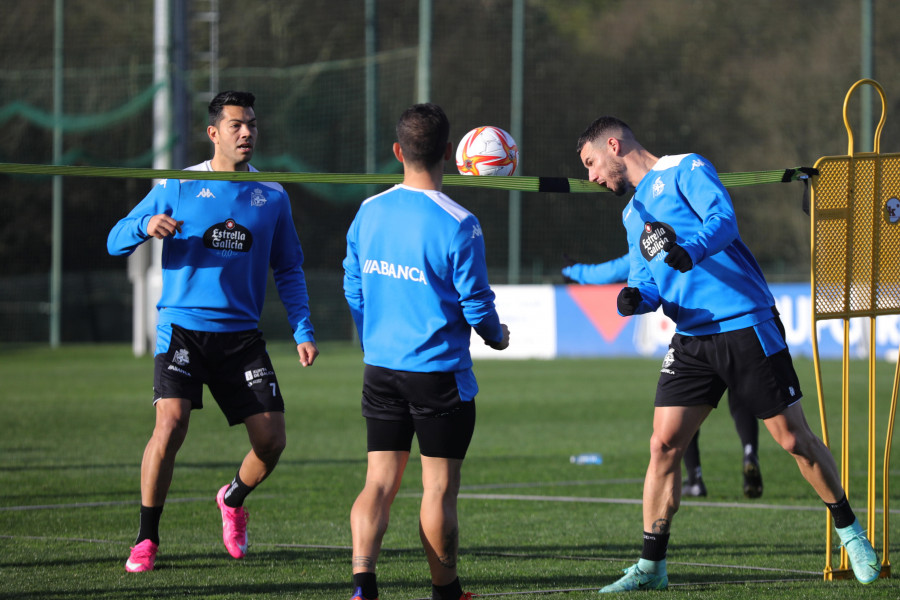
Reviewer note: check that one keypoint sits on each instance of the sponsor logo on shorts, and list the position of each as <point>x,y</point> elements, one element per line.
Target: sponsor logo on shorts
<point>177,370</point>
<point>254,376</point>
<point>668,359</point>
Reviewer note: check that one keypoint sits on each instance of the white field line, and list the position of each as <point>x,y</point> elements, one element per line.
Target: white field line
<point>472,552</point>
<point>470,496</point>
<point>593,589</point>
<point>594,500</point>
<point>109,503</point>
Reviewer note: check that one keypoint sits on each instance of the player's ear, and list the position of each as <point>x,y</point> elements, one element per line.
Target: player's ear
<point>398,152</point>
<point>448,152</point>
<point>213,133</point>
<point>613,145</point>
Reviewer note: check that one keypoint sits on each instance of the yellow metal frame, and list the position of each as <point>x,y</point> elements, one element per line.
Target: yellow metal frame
<point>855,250</point>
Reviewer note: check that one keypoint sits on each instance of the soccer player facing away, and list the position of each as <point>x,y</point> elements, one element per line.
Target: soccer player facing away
<point>219,240</point>
<point>687,256</point>
<point>745,422</point>
<point>415,279</point>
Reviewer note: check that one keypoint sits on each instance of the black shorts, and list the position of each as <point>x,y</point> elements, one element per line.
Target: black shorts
<point>234,365</point>
<point>400,404</point>
<point>754,364</point>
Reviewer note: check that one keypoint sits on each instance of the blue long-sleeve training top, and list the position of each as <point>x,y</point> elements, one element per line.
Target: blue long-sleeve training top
<point>682,199</point>
<point>215,270</point>
<point>415,279</point>
<point>611,271</point>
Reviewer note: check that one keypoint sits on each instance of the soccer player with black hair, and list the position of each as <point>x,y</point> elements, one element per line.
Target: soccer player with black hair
<point>415,279</point>
<point>219,239</point>
<point>688,257</point>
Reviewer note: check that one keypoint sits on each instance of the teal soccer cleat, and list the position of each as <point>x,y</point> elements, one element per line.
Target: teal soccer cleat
<point>637,580</point>
<point>862,555</point>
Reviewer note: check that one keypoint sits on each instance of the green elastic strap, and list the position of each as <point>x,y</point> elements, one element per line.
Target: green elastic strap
<point>524,184</point>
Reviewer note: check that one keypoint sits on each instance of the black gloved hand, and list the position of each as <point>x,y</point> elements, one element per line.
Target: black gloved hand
<point>628,300</point>
<point>568,261</point>
<point>677,257</point>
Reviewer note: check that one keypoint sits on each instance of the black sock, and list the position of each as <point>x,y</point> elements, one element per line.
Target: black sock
<point>655,546</point>
<point>149,530</point>
<point>692,459</point>
<point>748,431</point>
<point>237,492</point>
<point>451,591</point>
<point>841,513</point>
<point>366,581</point>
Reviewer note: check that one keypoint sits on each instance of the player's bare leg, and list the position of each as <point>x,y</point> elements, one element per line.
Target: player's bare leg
<point>157,466</point>
<point>370,514</point>
<point>816,463</point>
<point>438,521</point>
<point>673,428</point>
<point>267,442</point>
<point>172,420</point>
<point>818,467</point>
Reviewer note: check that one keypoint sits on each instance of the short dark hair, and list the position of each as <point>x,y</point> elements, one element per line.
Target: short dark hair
<point>422,132</point>
<point>228,98</point>
<point>600,128</point>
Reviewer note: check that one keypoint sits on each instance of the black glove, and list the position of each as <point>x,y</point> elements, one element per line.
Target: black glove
<point>677,257</point>
<point>568,262</point>
<point>628,300</point>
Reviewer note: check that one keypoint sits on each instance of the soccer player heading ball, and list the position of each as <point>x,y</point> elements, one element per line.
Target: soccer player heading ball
<point>687,256</point>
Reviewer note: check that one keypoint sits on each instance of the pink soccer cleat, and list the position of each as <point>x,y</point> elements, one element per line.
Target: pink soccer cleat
<point>234,526</point>
<point>142,558</point>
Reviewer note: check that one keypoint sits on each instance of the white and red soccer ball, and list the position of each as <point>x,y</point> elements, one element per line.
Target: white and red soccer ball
<point>487,150</point>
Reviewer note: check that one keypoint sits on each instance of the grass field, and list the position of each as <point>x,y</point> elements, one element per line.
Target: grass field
<point>75,421</point>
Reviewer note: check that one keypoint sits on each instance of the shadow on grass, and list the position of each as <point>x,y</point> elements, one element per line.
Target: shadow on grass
<point>182,465</point>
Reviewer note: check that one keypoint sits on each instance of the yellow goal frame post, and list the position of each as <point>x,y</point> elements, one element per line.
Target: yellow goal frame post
<point>855,272</point>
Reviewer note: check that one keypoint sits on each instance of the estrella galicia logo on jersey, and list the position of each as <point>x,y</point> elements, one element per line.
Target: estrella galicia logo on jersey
<point>257,198</point>
<point>654,237</point>
<point>228,236</point>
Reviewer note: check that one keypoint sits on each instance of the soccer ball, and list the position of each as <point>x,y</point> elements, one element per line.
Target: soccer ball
<point>487,151</point>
